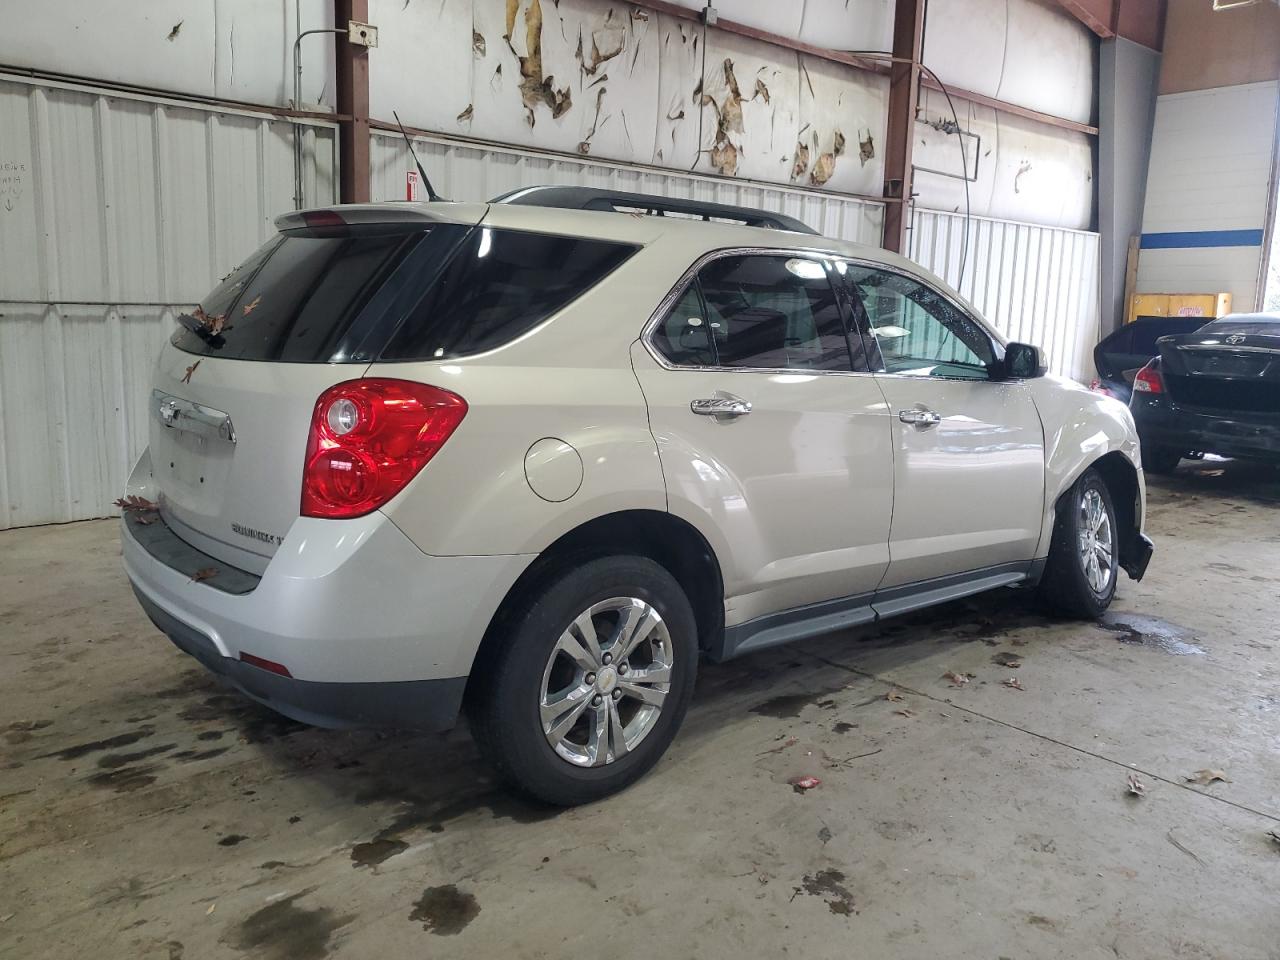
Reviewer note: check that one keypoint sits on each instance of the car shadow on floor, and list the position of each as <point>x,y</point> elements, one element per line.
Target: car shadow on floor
<point>1220,478</point>
<point>426,781</point>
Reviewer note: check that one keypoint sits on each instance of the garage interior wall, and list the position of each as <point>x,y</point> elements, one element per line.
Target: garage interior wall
<point>132,182</point>
<point>1213,153</point>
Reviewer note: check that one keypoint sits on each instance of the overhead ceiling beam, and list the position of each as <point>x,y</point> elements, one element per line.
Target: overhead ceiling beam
<point>1141,21</point>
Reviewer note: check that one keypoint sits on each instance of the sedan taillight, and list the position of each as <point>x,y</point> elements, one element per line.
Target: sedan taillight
<point>368,439</point>
<point>1148,380</point>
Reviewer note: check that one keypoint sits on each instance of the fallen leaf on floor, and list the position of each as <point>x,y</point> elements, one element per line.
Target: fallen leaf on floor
<point>802,783</point>
<point>905,713</point>
<point>790,742</point>
<point>1136,787</point>
<point>212,907</point>
<point>825,835</point>
<point>1013,682</point>
<point>1006,659</point>
<point>204,573</point>
<point>894,696</point>
<point>1206,777</point>
<point>136,504</point>
<point>1275,836</point>
<point>955,679</point>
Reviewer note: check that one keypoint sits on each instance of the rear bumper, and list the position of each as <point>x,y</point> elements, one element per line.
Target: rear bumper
<point>373,631</point>
<point>1163,423</point>
<point>407,704</point>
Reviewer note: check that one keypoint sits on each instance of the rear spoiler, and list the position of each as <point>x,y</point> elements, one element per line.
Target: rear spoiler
<point>468,214</point>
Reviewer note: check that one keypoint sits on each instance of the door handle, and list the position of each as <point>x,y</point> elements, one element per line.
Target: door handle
<point>726,405</point>
<point>921,418</point>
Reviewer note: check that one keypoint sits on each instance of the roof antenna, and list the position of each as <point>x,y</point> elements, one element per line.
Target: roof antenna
<point>426,181</point>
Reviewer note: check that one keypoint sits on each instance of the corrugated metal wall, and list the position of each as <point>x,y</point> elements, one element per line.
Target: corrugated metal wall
<point>117,210</point>
<point>464,171</point>
<point>1034,284</point>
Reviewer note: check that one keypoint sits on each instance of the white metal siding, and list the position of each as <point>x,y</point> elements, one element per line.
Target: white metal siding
<point>463,171</point>
<point>1035,284</point>
<point>128,209</point>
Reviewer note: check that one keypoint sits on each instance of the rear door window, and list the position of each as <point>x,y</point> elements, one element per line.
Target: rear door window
<point>757,311</point>
<point>499,285</point>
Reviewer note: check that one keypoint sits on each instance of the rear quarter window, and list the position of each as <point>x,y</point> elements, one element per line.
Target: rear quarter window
<point>499,285</point>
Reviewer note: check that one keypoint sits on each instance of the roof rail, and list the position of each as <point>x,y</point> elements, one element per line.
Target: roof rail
<point>618,201</point>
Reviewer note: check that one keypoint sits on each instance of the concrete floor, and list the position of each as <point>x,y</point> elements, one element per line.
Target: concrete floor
<point>146,813</point>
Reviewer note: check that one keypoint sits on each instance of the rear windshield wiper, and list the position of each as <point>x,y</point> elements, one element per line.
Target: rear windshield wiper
<point>198,327</point>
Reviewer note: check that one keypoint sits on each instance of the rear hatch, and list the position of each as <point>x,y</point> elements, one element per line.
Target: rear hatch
<point>1124,352</point>
<point>1229,371</point>
<point>236,386</point>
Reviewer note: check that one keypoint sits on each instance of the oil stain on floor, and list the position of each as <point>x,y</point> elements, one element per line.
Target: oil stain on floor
<point>445,910</point>
<point>285,931</point>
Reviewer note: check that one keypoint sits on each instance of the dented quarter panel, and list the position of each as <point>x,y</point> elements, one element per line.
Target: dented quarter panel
<point>1080,427</point>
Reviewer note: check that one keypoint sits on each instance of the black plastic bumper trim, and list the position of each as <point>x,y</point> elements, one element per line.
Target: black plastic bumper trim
<point>431,705</point>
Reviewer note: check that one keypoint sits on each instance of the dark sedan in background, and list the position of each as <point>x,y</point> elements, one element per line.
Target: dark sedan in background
<point>1214,390</point>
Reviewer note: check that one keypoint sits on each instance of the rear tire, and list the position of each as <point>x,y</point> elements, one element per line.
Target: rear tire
<point>565,718</point>
<point>1080,577</point>
<point>1160,460</point>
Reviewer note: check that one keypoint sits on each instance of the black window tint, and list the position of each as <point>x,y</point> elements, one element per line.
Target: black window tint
<point>773,312</point>
<point>296,297</point>
<point>683,336</point>
<point>500,284</point>
<point>918,330</point>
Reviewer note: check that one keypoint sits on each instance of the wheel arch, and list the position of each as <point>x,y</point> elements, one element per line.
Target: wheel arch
<point>1120,475</point>
<point>669,541</point>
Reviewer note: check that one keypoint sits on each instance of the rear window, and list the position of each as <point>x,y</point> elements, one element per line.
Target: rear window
<point>391,292</point>
<point>499,285</point>
<point>1252,328</point>
<point>300,297</point>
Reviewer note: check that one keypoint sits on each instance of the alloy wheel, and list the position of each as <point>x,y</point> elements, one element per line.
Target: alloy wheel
<point>1096,542</point>
<point>606,681</point>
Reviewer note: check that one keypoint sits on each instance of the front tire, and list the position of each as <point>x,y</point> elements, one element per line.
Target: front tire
<point>590,684</point>
<point>1080,577</point>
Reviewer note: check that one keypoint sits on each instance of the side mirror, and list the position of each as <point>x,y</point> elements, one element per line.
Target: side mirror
<point>1022,361</point>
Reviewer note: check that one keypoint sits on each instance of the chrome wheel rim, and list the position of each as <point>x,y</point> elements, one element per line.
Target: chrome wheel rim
<point>606,681</point>
<point>1096,541</point>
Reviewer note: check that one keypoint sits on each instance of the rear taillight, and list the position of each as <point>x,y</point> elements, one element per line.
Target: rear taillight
<point>1148,380</point>
<point>368,439</point>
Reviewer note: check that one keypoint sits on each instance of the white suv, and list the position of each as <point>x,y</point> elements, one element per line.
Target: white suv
<point>535,457</point>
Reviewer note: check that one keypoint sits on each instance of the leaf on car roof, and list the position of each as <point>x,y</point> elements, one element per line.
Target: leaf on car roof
<point>136,504</point>
<point>252,306</point>
<point>204,573</point>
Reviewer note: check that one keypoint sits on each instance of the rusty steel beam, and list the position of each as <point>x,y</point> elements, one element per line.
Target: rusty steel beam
<point>904,91</point>
<point>352,76</point>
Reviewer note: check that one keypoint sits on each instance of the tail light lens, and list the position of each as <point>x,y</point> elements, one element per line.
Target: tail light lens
<point>1148,380</point>
<point>368,439</point>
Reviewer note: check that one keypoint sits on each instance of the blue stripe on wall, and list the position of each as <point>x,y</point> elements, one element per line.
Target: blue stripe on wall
<point>1202,238</point>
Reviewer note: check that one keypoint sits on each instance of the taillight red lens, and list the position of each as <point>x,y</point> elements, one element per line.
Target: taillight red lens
<point>368,439</point>
<point>1148,380</point>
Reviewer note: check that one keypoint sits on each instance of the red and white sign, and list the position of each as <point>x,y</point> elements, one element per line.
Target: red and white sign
<point>411,181</point>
